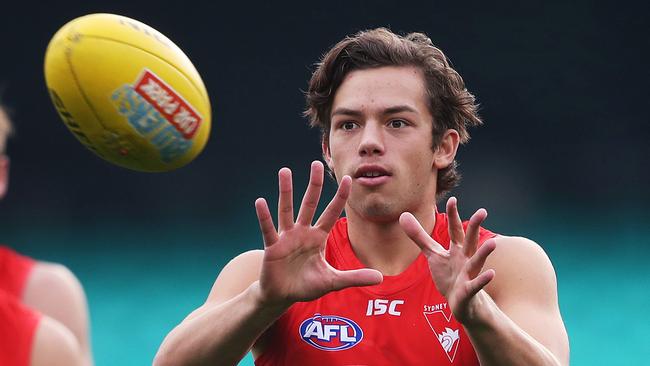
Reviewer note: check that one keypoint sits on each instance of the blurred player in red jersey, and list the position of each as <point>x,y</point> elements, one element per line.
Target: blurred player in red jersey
<point>394,282</point>
<point>43,311</point>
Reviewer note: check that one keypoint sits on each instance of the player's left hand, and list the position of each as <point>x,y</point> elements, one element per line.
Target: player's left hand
<point>457,271</point>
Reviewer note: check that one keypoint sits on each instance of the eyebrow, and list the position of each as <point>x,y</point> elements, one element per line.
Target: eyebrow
<point>357,113</point>
<point>346,112</point>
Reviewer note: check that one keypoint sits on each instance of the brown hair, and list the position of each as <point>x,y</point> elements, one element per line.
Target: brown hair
<point>450,104</point>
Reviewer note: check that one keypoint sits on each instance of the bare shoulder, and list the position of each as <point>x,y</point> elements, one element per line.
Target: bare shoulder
<point>511,247</point>
<point>519,263</point>
<point>55,345</point>
<point>56,292</point>
<point>53,275</point>
<point>525,289</point>
<point>236,276</point>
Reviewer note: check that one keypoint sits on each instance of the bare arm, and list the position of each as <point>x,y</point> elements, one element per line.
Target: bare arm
<point>291,268</point>
<point>56,292</point>
<point>222,330</point>
<point>516,319</point>
<point>55,345</point>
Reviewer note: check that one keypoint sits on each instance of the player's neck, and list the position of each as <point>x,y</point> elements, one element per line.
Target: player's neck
<point>383,245</point>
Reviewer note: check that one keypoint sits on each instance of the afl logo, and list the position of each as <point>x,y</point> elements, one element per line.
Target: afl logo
<point>330,332</point>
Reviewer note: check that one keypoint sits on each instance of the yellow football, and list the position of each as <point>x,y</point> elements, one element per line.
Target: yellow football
<point>127,92</point>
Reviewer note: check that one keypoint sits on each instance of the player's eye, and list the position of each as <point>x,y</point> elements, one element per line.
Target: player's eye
<point>348,125</point>
<point>397,123</point>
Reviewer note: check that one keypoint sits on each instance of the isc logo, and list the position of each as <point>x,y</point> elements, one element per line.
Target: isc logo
<point>382,306</point>
<point>330,332</point>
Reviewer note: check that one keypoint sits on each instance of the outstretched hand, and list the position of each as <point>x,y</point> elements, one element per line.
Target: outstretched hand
<point>294,267</point>
<point>457,271</point>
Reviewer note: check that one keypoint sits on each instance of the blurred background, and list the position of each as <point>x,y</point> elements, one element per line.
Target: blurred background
<point>562,158</point>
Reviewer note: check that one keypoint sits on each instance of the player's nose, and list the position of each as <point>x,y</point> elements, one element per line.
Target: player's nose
<point>372,140</point>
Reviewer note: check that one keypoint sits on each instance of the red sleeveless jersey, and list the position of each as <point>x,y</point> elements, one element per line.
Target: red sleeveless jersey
<point>14,271</point>
<point>402,321</point>
<point>18,323</point>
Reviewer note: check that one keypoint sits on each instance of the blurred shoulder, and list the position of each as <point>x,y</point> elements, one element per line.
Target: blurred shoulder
<point>52,278</point>
<point>55,291</point>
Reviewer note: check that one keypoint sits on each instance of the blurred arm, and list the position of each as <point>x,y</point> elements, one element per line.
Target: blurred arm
<point>55,291</point>
<point>55,345</point>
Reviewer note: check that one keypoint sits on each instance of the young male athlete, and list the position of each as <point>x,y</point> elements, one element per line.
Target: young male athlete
<point>43,312</point>
<point>395,282</point>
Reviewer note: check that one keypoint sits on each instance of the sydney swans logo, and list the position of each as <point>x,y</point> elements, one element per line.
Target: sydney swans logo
<point>449,338</point>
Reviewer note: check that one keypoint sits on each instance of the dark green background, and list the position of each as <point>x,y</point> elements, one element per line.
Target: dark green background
<point>562,158</point>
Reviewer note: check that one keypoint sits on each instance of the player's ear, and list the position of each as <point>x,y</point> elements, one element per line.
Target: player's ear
<point>4,175</point>
<point>327,156</point>
<point>446,151</point>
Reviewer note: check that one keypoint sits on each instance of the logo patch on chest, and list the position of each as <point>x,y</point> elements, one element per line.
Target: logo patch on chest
<point>330,332</point>
<point>439,319</point>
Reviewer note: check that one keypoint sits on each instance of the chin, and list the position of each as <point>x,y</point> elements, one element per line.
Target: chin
<point>378,211</point>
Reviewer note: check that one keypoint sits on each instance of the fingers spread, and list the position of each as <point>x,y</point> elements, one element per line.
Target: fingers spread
<point>269,234</point>
<point>312,194</point>
<point>336,205</point>
<point>456,233</point>
<point>357,277</point>
<point>473,229</point>
<point>477,284</point>
<point>285,200</point>
<point>477,261</point>
<point>416,232</point>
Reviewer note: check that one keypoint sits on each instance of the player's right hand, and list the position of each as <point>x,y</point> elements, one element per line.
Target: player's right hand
<point>294,267</point>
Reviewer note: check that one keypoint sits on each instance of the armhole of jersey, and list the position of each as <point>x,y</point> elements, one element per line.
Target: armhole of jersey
<point>18,326</point>
<point>264,356</point>
<point>270,351</point>
<point>15,269</point>
<point>485,234</point>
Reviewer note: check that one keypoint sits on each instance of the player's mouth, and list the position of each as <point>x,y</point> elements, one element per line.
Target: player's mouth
<point>371,175</point>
